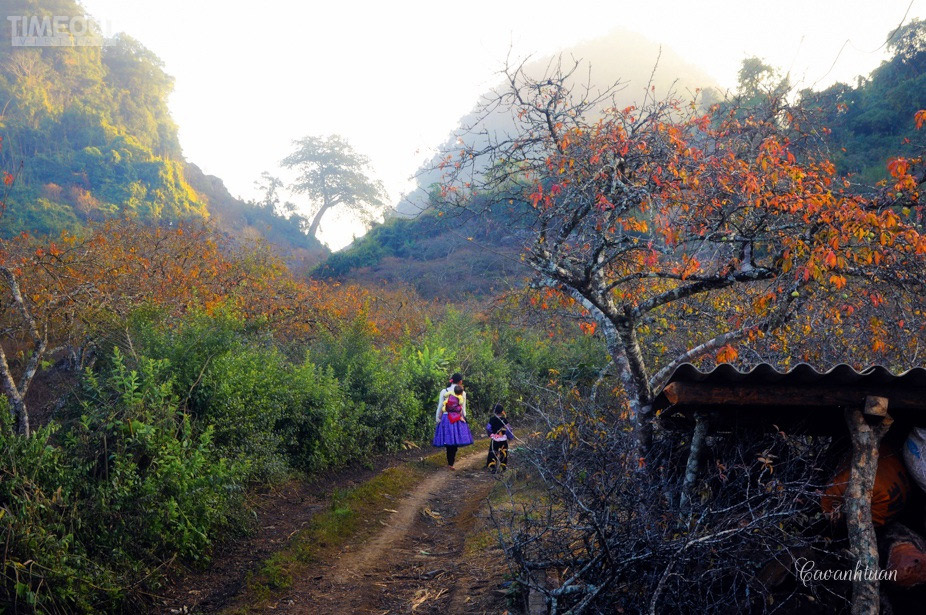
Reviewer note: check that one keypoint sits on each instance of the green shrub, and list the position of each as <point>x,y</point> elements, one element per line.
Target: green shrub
<point>163,490</point>
<point>93,509</point>
<point>317,430</point>
<point>266,412</point>
<point>384,409</point>
<point>272,414</point>
<point>44,568</point>
<point>470,351</point>
<point>189,344</point>
<point>244,395</point>
<point>426,366</point>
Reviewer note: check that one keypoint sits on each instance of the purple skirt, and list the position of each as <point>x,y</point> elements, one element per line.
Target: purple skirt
<point>450,434</point>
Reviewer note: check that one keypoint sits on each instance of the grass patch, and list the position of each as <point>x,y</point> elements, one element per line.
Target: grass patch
<point>480,541</point>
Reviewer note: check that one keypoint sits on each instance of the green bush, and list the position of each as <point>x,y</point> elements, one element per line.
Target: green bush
<point>43,567</point>
<point>189,344</point>
<point>385,410</point>
<point>162,489</point>
<point>274,415</point>
<point>426,366</point>
<point>470,351</point>
<point>317,429</point>
<point>243,395</point>
<point>93,509</point>
<point>265,411</point>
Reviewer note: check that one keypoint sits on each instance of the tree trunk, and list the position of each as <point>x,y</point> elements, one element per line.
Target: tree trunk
<point>313,228</point>
<point>16,393</point>
<point>17,404</point>
<point>624,347</point>
<point>641,393</point>
<point>600,380</point>
<point>694,459</point>
<point>14,397</point>
<point>21,416</point>
<point>862,541</point>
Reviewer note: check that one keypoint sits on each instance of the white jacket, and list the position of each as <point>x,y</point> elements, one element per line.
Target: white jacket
<point>443,398</point>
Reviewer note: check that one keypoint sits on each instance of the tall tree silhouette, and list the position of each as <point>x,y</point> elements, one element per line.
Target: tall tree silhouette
<point>332,174</point>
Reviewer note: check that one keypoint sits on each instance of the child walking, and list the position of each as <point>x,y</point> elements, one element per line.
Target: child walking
<point>499,431</point>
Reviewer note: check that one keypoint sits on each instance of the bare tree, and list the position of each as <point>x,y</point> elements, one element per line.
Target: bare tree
<point>585,532</point>
<point>16,391</point>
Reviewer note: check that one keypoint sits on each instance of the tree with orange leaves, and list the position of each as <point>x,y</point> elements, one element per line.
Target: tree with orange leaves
<point>61,295</point>
<point>728,221</point>
<point>56,291</point>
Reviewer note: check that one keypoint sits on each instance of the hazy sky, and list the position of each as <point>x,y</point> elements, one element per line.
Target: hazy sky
<point>394,77</point>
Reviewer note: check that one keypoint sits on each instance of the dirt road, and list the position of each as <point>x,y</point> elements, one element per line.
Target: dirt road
<point>281,512</point>
<point>417,563</point>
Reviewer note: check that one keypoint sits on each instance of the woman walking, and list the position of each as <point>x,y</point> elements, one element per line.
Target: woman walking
<point>452,431</point>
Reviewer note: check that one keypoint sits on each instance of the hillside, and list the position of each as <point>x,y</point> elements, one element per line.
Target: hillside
<point>88,135</point>
<point>873,119</point>
<point>441,258</point>
<point>248,222</point>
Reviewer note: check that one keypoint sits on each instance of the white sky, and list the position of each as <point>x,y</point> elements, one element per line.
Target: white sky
<point>394,77</point>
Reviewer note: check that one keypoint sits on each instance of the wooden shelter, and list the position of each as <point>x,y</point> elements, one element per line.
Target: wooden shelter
<point>800,399</point>
<point>862,405</point>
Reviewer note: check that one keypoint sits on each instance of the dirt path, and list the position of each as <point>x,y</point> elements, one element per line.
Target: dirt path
<point>418,561</point>
<point>282,511</point>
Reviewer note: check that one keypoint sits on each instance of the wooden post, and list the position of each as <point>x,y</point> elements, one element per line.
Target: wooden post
<point>694,459</point>
<point>866,437</point>
<point>536,599</point>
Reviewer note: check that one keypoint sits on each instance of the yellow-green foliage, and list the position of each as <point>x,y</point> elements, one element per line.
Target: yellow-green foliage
<point>92,130</point>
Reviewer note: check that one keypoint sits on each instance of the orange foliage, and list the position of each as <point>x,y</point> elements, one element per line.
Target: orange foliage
<point>77,284</point>
<point>919,117</point>
<point>701,233</point>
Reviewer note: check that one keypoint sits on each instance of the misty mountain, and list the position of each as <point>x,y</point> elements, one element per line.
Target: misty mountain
<point>479,256</point>
<point>621,58</point>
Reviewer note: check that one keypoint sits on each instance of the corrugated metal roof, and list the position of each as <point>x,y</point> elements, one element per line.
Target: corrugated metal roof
<point>801,374</point>
<point>797,395</point>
